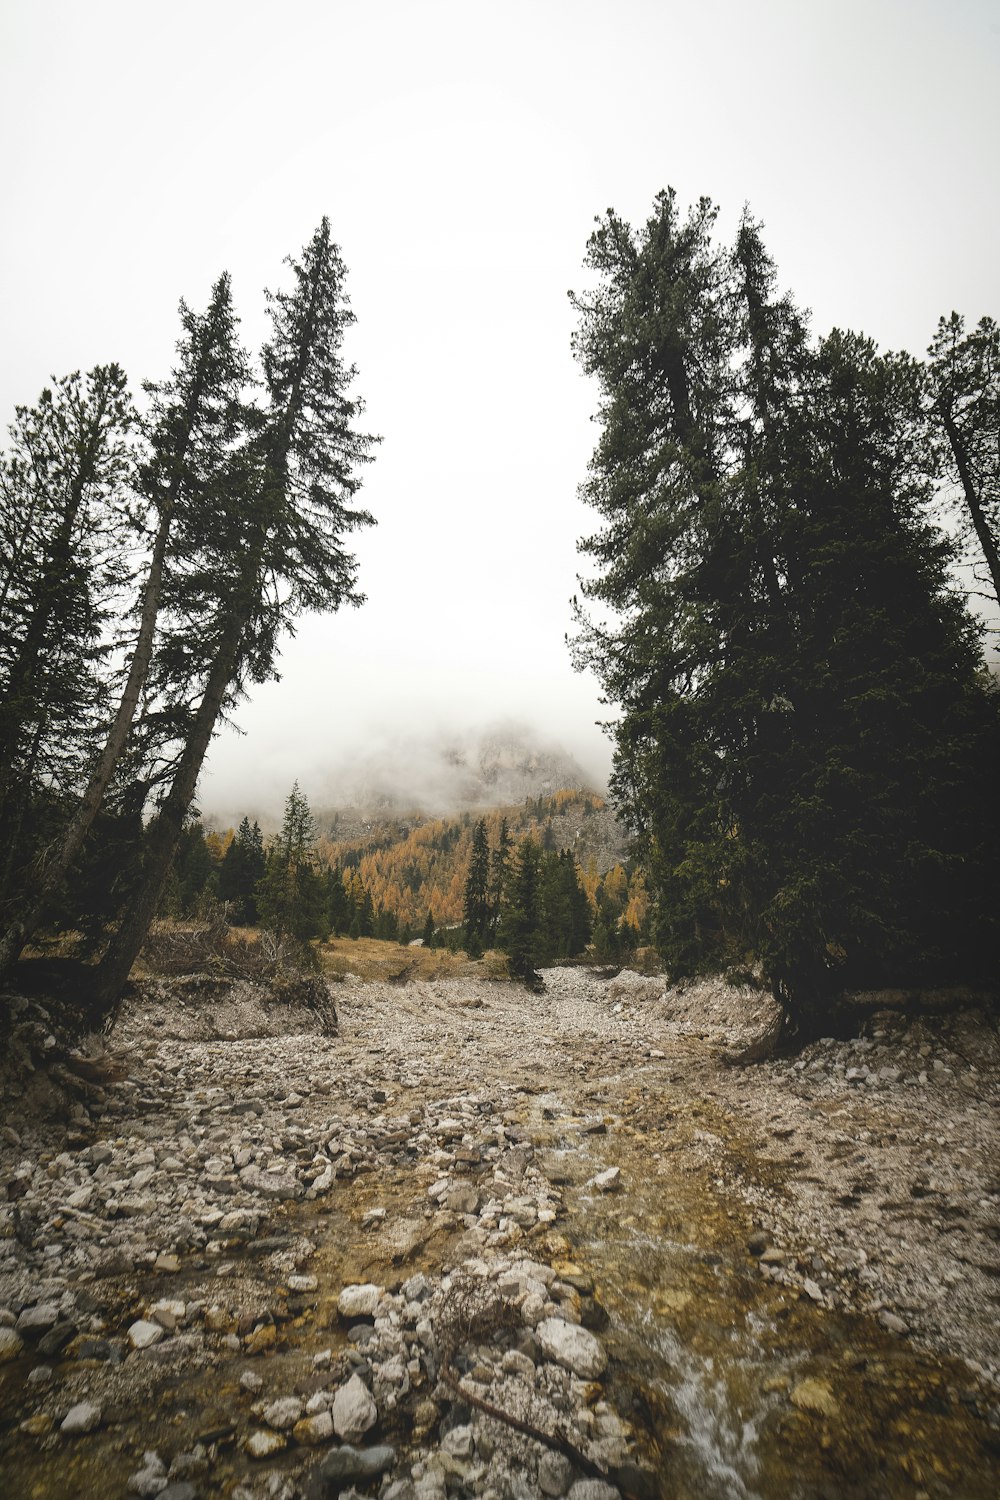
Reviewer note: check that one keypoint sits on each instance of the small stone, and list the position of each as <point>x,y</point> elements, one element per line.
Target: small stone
<point>347,1465</point>
<point>142,1334</point>
<point>573,1347</point>
<point>263,1338</point>
<point>815,1396</point>
<point>39,1425</point>
<point>147,1481</point>
<point>812,1290</point>
<point>34,1321</point>
<point>354,1410</point>
<point>758,1242</point>
<point>283,1413</point>
<point>11,1344</point>
<point>360,1301</point>
<point>168,1314</point>
<point>251,1381</point>
<point>458,1442</point>
<point>593,1489</point>
<point>608,1181</point>
<point>261,1444</point>
<point>314,1430</point>
<point>892,1323</point>
<point>554,1474</point>
<point>303,1283</point>
<point>167,1263</point>
<point>83,1417</point>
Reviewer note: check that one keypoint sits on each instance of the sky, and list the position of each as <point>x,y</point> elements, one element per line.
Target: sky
<point>462,152</point>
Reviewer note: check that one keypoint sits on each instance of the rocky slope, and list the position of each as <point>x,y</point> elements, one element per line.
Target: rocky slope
<point>484,1243</point>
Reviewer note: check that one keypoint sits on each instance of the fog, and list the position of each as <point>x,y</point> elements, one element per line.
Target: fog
<point>462,153</point>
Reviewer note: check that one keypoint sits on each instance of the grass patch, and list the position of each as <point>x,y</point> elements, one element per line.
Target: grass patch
<point>392,963</point>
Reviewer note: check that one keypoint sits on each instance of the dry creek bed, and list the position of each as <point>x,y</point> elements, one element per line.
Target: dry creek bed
<point>272,1262</point>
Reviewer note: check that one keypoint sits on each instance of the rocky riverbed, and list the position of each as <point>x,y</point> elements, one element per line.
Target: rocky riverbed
<point>481,1242</point>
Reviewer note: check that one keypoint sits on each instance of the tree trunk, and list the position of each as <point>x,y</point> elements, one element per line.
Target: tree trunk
<point>163,833</point>
<point>987,541</point>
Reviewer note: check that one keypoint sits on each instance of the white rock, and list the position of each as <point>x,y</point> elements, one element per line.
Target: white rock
<point>302,1283</point>
<point>608,1181</point>
<point>142,1335</point>
<point>573,1347</point>
<point>262,1444</point>
<point>458,1442</point>
<point>354,1411</point>
<point>83,1417</point>
<point>283,1413</point>
<point>359,1301</point>
<point>167,1313</point>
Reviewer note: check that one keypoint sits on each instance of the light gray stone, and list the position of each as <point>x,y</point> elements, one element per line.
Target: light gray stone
<point>359,1301</point>
<point>354,1410</point>
<point>83,1417</point>
<point>573,1347</point>
<point>142,1334</point>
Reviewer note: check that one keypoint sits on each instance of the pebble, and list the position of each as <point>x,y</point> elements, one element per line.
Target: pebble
<point>83,1417</point>
<point>360,1301</point>
<point>354,1410</point>
<point>573,1347</point>
<point>11,1344</point>
<point>348,1464</point>
<point>261,1444</point>
<point>142,1334</point>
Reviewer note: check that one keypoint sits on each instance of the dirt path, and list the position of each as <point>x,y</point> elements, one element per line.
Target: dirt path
<point>790,1270</point>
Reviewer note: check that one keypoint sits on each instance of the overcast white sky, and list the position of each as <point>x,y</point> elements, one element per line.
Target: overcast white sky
<point>462,151</point>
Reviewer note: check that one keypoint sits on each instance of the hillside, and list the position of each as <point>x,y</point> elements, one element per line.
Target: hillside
<point>415,864</point>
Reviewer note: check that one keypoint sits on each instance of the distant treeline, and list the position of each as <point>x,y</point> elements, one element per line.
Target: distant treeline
<point>518,891</point>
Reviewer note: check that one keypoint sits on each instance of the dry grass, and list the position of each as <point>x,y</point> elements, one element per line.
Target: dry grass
<point>371,958</point>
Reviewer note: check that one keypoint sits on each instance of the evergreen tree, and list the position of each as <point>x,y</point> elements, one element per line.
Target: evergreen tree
<point>243,867</point>
<point>68,528</point>
<point>520,920</point>
<point>286,503</point>
<point>339,907</point>
<point>499,864</point>
<point>476,906</point>
<point>191,423</point>
<point>290,897</point>
<point>804,733</point>
<point>428,934</point>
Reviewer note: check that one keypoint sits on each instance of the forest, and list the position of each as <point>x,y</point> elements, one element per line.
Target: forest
<point>783,604</point>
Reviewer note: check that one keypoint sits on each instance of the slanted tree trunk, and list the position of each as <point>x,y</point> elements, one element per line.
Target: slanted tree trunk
<point>987,540</point>
<point>164,831</point>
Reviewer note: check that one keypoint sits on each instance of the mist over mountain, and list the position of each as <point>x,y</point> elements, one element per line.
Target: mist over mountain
<point>445,771</point>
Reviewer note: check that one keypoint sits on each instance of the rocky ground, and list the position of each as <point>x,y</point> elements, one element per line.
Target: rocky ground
<point>481,1242</point>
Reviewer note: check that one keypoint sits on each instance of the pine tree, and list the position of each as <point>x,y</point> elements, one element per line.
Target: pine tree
<point>499,865</point>
<point>803,732</point>
<point>192,421</point>
<point>290,897</point>
<point>476,905</point>
<point>68,529</point>
<point>520,920</point>
<point>285,505</point>
<point>243,867</point>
